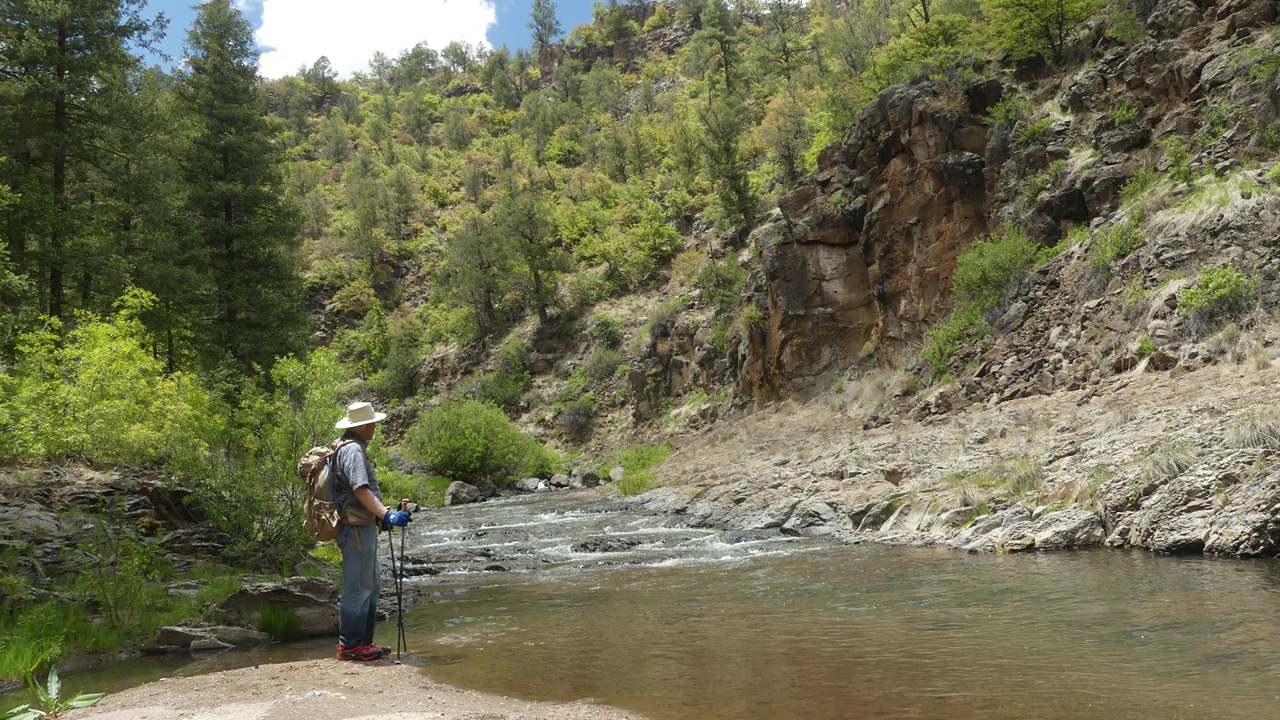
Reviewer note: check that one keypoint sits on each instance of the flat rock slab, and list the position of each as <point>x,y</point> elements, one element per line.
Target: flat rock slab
<point>325,690</point>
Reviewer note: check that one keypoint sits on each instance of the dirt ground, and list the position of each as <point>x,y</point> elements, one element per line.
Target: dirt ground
<point>326,690</point>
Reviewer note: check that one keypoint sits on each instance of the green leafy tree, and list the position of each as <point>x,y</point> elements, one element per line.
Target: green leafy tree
<point>236,195</point>
<point>1031,27</point>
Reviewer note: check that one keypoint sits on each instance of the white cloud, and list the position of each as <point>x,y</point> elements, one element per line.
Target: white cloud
<point>297,32</point>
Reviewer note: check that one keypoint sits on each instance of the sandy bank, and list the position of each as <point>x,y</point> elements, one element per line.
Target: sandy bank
<point>326,690</point>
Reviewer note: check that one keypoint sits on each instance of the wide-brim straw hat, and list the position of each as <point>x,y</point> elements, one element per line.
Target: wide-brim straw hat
<point>359,413</point>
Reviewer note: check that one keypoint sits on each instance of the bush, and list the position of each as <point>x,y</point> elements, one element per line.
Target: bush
<point>1219,289</point>
<point>1009,111</point>
<point>1030,132</point>
<point>602,364</point>
<point>1178,153</point>
<point>964,324</point>
<point>99,394</point>
<point>1125,110</point>
<point>574,419</point>
<point>721,284</point>
<point>1116,242</point>
<point>471,441</point>
<point>636,463</point>
<point>607,330</point>
<point>991,264</point>
<point>250,485</point>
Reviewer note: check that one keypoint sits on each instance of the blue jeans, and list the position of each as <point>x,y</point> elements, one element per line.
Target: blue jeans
<point>361,584</point>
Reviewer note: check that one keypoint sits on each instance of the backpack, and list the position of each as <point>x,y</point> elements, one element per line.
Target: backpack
<point>322,516</point>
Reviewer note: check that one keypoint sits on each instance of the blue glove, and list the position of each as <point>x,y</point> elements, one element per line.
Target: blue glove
<point>396,518</point>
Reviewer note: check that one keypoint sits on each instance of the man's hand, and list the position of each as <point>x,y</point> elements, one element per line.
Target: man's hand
<point>396,518</point>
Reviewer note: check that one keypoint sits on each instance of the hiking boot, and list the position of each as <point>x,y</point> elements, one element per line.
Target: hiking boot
<point>385,650</point>
<point>360,652</point>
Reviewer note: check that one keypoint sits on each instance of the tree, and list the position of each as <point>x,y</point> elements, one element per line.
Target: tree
<point>543,23</point>
<point>236,197</point>
<point>1030,27</point>
<point>783,45</point>
<point>526,219</point>
<point>724,121</point>
<point>64,68</point>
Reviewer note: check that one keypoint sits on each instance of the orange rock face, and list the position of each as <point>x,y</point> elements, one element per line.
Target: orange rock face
<point>858,260</point>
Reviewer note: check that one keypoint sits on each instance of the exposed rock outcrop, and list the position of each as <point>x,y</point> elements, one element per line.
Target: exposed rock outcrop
<point>859,257</point>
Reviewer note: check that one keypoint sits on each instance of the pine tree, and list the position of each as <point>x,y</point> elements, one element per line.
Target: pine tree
<point>64,96</point>
<point>543,23</point>
<point>236,195</point>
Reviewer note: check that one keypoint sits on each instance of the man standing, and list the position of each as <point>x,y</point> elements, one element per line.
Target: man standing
<point>359,498</point>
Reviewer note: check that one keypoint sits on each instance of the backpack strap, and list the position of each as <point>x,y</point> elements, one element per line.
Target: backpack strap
<point>333,474</point>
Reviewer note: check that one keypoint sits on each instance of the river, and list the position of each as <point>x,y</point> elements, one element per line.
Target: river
<point>683,624</point>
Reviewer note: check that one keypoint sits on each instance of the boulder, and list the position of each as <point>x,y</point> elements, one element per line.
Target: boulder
<point>528,485</point>
<point>487,489</point>
<point>559,480</point>
<point>314,600</point>
<point>1249,525</point>
<point>460,493</point>
<point>590,479</point>
<point>812,518</point>
<point>208,638</point>
<point>616,474</point>
<point>1068,528</point>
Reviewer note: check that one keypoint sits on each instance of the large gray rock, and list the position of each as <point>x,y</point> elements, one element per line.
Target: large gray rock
<point>590,479</point>
<point>528,485</point>
<point>314,601</point>
<point>203,540</point>
<point>559,480</point>
<point>1249,525</point>
<point>616,474</point>
<point>812,518</point>
<point>460,493</point>
<point>209,638</point>
<point>27,521</point>
<point>1068,528</point>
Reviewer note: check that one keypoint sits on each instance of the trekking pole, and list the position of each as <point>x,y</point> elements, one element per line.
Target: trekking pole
<point>401,640</point>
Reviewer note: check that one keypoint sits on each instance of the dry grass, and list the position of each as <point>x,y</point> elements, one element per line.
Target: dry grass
<point>1255,429</point>
<point>1088,492</point>
<point>1117,418</point>
<point>1167,462</point>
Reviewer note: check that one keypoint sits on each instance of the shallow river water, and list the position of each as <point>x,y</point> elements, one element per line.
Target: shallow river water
<point>694,624</point>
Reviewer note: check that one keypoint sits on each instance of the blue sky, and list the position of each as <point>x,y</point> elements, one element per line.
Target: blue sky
<point>348,32</point>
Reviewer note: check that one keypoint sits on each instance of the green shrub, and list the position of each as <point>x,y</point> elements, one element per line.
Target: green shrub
<point>963,325</point>
<point>1030,132</point>
<point>721,284</point>
<point>1125,110</point>
<point>1219,289</point>
<point>752,316</point>
<point>636,463</point>
<point>470,441</point>
<point>356,298</point>
<point>1139,183</point>
<point>1009,111</point>
<point>1116,242</point>
<point>985,271</point>
<point>574,419</point>
<point>602,364</point>
<point>607,330</point>
<point>1145,348</point>
<point>1178,154</point>
<point>99,394</point>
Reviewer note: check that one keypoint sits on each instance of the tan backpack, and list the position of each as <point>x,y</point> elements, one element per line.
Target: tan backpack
<point>321,514</point>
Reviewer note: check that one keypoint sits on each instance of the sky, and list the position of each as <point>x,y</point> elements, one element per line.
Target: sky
<point>291,33</point>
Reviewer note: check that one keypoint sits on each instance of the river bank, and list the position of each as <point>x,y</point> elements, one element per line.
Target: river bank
<point>326,690</point>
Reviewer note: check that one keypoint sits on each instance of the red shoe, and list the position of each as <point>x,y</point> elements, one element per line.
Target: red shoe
<point>360,652</point>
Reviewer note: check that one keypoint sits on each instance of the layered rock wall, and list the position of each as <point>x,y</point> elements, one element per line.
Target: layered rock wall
<point>859,258</point>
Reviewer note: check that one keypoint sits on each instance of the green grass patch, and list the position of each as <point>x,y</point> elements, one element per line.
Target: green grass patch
<point>1217,289</point>
<point>637,462</point>
<point>1116,242</point>
<point>280,622</point>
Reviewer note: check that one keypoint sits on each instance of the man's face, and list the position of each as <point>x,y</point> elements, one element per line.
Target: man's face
<point>366,431</point>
